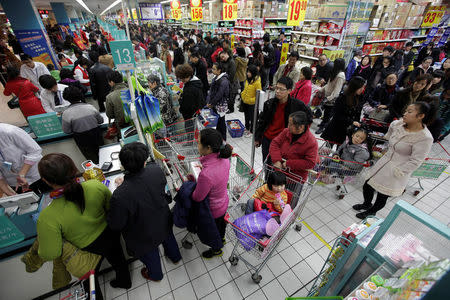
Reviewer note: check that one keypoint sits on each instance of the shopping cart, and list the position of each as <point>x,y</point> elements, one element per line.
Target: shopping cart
<point>256,252</point>
<point>77,291</point>
<point>433,167</point>
<point>338,172</point>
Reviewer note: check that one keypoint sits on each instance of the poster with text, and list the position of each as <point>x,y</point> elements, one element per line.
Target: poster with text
<point>151,11</point>
<point>35,44</point>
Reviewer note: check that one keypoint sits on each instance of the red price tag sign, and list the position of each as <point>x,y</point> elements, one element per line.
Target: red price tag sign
<point>433,16</point>
<point>196,13</point>
<point>229,10</point>
<point>296,12</point>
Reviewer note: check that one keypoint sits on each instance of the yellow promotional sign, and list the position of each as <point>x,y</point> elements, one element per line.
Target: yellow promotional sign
<point>233,40</point>
<point>333,54</point>
<point>284,53</point>
<point>229,10</point>
<point>175,9</point>
<point>433,16</point>
<point>196,10</point>
<point>296,12</point>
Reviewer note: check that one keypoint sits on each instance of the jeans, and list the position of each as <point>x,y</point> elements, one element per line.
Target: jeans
<point>265,145</point>
<point>368,193</point>
<point>221,226</point>
<point>152,260</point>
<point>327,114</point>
<point>265,78</point>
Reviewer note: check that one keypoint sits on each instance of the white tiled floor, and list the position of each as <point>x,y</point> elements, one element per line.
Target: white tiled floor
<point>296,262</point>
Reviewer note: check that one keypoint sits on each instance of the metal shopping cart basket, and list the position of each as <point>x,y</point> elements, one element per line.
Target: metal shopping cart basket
<point>338,172</point>
<point>256,252</point>
<point>77,291</point>
<point>433,167</point>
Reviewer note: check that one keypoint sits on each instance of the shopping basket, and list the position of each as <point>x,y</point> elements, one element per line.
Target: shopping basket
<point>261,250</point>
<point>338,172</point>
<point>433,167</point>
<point>76,290</point>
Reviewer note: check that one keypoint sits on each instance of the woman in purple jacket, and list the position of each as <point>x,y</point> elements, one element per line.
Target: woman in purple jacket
<point>213,179</point>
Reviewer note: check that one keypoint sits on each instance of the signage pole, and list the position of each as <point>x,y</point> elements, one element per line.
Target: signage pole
<point>130,86</point>
<point>255,119</point>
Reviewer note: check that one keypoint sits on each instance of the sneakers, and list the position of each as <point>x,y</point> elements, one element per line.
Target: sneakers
<point>247,133</point>
<point>361,207</point>
<point>144,274</point>
<point>211,253</point>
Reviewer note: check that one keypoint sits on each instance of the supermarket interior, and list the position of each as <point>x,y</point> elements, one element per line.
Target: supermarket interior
<point>234,149</point>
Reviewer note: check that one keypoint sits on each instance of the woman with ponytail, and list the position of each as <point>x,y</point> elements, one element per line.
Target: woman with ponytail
<point>213,179</point>
<point>409,144</point>
<point>77,214</point>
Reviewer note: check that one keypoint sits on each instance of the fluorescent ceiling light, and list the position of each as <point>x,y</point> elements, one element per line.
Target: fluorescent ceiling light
<point>84,5</point>
<point>111,6</point>
<point>167,1</point>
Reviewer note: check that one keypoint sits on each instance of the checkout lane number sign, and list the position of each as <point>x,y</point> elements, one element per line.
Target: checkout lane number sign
<point>123,56</point>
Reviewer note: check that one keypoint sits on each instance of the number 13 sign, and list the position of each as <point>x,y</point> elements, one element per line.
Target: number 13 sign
<point>296,12</point>
<point>123,56</point>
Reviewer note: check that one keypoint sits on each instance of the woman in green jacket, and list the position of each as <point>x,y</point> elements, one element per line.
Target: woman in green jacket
<point>77,214</point>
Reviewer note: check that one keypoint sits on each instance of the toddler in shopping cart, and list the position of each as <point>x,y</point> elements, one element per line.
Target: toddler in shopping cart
<point>351,155</point>
<point>271,196</point>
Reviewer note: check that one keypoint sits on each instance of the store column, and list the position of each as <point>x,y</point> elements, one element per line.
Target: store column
<point>72,14</point>
<point>29,30</point>
<point>138,12</point>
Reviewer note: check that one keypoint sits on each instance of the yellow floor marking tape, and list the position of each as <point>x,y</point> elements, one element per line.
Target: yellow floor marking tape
<point>317,235</point>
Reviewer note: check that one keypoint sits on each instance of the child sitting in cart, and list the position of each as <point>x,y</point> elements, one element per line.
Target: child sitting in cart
<point>271,196</point>
<point>351,155</point>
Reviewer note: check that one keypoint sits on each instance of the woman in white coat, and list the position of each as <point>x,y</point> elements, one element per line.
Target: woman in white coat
<point>19,155</point>
<point>409,143</point>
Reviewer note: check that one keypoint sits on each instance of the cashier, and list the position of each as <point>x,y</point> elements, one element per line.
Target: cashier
<point>19,155</point>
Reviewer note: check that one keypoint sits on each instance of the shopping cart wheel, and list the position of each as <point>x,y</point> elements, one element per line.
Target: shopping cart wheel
<point>256,278</point>
<point>338,187</point>
<point>233,260</point>
<point>340,197</point>
<point>186,245</point>
<point>416,193</point>
<point>298,227</point>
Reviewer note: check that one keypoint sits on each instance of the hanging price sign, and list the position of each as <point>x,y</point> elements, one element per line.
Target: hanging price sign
<point>196,10</point>
<point>175,9</point>
<point>296,12</point>
<point>433,16</point>
<point>229,9</point>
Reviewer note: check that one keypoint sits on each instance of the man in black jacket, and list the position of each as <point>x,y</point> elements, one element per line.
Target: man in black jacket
<point>323,70</point>
<point>99,83</point>
<point>275,115</point>
<point>269,60</point>
<point>229,67</point>
<point>178,57</point>
<point>139,209</point>
<point>200,70</point>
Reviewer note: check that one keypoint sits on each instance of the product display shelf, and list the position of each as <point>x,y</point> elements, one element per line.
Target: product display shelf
<point>315,46</point>
<point>243,27</point>
<point>309,57</point>
<point>407,233</point>
<point>386,41</point>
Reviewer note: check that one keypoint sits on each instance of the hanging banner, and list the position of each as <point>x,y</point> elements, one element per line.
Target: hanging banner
<point>233,40</point>
<point>229,10</point>
<point>196,10</point>
<point>433,16</point>
<point>36,44</point>
<point>284,53</point>
<point>175,9</point>
<point>151,11</point>
<point>296,12</point>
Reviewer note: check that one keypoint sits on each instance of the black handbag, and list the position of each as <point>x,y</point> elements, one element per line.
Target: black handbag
<point>14,103</point>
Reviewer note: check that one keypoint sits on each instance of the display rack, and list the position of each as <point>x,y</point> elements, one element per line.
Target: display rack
<point>390,245</point>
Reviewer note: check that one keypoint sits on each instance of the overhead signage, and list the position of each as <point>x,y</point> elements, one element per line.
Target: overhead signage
<point>151,11</point>
<point>123,55</point>
<point>196,10</point>
<point>175,9</point>
<point>226,24</point>
<point>296,12</point>
<point>229,10</point>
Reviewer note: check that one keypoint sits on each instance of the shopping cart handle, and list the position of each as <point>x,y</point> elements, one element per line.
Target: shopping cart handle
<point>86,276</point>
<point>227,217</point>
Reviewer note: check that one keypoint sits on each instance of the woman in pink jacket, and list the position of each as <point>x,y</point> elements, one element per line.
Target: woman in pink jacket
<point>213,179</point>
<point>302,90</point>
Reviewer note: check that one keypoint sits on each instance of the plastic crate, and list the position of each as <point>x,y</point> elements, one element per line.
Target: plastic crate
<point>211,117</point>
<point>235,132</point>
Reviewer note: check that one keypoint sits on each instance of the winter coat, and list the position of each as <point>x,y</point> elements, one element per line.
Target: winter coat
<point>300,155</point>
<point>351,68</point>
<point>401,100</point>
<point>219,93</point>
<point>294,74</point>
<point>265,118</point>
<point>168,113</point>
<point>212,182</point>
<point>381,96</point>
<point>407,151</point>
<point>276,65</point>
<point>241,68</point>
<point>167,59</point>
<point>30,105</point>
<point>417,72</point>
<point>379,74</point>
<point>200,71</point>
<point>444,114</point>
<point>302,91</point>
<point>352,153</point>
<point>178,57</point>
<point>114,105</point>
<point>196,216</point>
<point>408,58</point>
<point>269,55</point>
<point>99,82</point>
<point>325,71</point>
<point>363,72</point>
<point>215,54</point>
<point>333,88</point>
<point>248,95</point>
<point>343,117</point>
<point>139,209</point>
<point>75,83</point>
<point>192,98</point>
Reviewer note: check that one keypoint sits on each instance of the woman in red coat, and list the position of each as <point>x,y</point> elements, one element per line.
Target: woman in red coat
<point>30,105</point>
<point>302,90</point>
<point>295,147</point>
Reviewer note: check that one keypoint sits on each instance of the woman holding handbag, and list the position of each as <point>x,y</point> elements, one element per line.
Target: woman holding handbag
<point>30,105</point>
